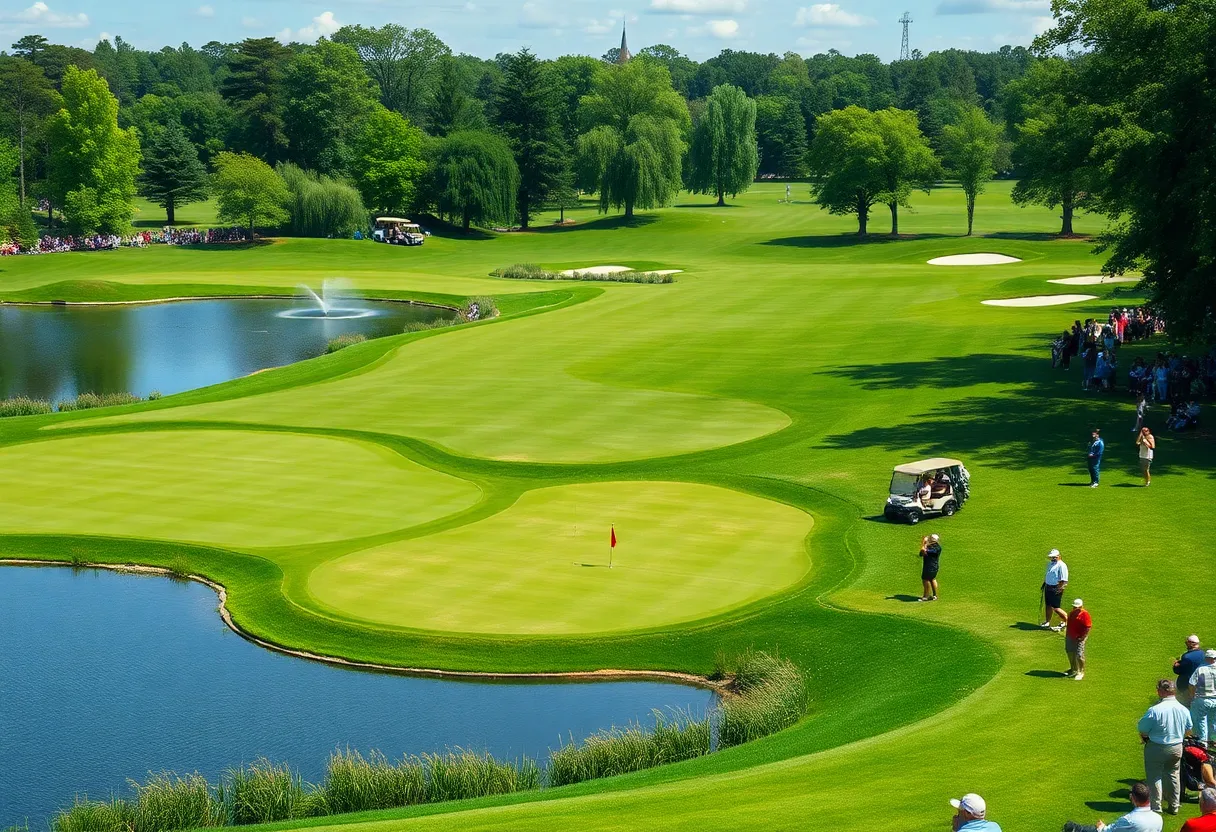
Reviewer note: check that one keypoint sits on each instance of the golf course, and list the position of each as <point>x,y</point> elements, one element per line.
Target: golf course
<point>443,499</point>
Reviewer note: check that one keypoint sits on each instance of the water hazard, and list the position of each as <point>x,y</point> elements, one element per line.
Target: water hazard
<point>55,352</point>
<point>108,676</point>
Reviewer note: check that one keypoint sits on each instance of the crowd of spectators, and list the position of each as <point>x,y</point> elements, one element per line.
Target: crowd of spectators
<point>140,239</point>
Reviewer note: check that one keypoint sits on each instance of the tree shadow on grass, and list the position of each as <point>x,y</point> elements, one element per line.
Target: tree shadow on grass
<point>607,223</point>
<point>846,240</point>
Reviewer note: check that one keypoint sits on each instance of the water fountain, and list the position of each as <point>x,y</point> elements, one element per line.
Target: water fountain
<point>326,307</point>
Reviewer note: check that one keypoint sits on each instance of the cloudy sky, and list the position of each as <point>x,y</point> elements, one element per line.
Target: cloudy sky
<point>699,28</point>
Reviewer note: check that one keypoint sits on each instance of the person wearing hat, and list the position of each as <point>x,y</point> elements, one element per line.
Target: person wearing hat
<point>1053,590</point>
<point>971,815</point>
<point>1162,730</point>
<point>1079,625</point>
<point>930,560</point>
<point>1187,664</point>
<point>1203,703</point>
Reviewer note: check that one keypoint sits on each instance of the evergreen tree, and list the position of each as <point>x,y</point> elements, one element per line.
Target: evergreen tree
<point>970,148</point>
<point>526,113</point>
<point>172,173</point>
<point>254,89</point>
<point>93,163</point>
<point>453,108</point>
<point>476,179</point>
<point>781,136</point>
<point>723,157</point>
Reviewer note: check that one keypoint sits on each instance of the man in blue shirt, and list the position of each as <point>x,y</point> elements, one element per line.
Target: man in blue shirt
<point>1096,447</point>
<point>1162,729</point>
<point>971,815</point>
<point>1187,664</point>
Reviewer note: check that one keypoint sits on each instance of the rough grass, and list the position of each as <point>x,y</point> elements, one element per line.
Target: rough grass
<point>348,339</point>
<point>89,401</point>
<point>24,406</point>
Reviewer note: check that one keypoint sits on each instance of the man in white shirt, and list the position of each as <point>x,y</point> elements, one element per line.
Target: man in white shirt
<point>1162,729</point>
<point>1203,705</point>
<point>1054,583</point>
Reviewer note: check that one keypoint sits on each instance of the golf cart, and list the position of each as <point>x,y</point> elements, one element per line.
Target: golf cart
<point>927,488</point>
<point>398,231</point>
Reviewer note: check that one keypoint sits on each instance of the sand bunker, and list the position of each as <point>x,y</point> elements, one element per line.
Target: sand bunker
<point>667,271</point>
<point>973,260</point>
<point>597,270</point>
<point>1039,300</point>
<point>1093,280</point>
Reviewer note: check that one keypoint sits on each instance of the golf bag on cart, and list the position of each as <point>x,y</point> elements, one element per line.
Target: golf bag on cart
<point>1194,757</point>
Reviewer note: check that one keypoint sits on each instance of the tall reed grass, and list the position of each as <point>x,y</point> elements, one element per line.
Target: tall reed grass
<point>347,339</point>
<point>622,750</point>
<point>322,206</point>
<point>264,791</point>
<point>23,406</point>
<point>531,271</point>
<point>165,802</point>
<point>88,401</point>
<point>772,695</point>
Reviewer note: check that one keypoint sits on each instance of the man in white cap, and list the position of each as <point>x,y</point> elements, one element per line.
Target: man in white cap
<point>930,555</point>
<point>1187,663</point>
<point>1079,625</point>
<point>1054,583</point>
<point>1162,730</point>
<point>971,815</point>
<point>1203,705</point>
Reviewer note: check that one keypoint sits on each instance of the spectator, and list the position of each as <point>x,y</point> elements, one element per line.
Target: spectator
<point>1190,660</point>
<point>1140,819</point>
<point>1079,625</point>
<point>971,815</point>
<point>1141,409</point>
<point>1146,443</point>
<point>1203,701</point>
<point>1053,590</point>
<point>1089,363</point>
<point>1094,458</point>
<point>930,554</point>
<point>1206,822</point>
<point>1162,729</point>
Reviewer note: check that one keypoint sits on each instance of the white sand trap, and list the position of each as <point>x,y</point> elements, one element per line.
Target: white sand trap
<point>973,260</point>
<point>1093,280</point>
<point>597,270</point>
<point>668,271</point>
<point>1039,300</point>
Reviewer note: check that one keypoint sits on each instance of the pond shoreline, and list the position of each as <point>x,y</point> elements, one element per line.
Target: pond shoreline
<point>187,298</point>
<point>603,675</point>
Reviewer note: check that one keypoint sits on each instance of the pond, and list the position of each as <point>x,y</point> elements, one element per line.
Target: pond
<point>55,352</point>
<point>107,676</point>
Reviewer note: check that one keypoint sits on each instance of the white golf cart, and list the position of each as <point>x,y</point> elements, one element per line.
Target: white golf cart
<point>398,231</point>
<point>928,488</point>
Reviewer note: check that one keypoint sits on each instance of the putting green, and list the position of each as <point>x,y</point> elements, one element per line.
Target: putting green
<point>541,567</point>
<point>232,488</point>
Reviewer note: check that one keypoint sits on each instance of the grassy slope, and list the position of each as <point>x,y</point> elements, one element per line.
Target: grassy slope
<point>875,358</point>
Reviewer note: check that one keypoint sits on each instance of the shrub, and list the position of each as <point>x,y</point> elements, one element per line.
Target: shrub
<point>772,695</point>
<point>531,271</point>
<point>322,206</point>
<point>263,791</point>
<point>88,401</point>
<point>23,406</point>
<point>348,339</point>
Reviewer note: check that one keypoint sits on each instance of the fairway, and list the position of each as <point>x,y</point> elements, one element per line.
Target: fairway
<point>541,566</point>
<point>232,488</point>
<point>427,500</point>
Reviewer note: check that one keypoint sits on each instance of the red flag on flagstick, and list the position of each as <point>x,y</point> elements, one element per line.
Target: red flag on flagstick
<point>613,543</point>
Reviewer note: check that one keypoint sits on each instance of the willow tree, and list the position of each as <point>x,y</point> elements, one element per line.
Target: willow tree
<point>476,178</point>
<point>723,156</point>
<point>631,154</point>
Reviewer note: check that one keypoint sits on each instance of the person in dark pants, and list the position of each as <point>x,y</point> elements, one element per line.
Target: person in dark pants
<point>1187,664</point>
<point>930,556</point>
<point>1094,459</point>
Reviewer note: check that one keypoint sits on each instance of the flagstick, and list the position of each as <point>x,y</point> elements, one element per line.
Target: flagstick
<point>611,547</point>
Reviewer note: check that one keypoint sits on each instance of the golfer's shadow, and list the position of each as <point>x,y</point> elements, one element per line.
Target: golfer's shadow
<point>1047,674</point>
<point>1025,626</point>
<point>904,598</point>
<point>1123,799</point>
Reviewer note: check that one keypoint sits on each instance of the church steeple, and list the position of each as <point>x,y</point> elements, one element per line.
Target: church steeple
<point>624,55</point>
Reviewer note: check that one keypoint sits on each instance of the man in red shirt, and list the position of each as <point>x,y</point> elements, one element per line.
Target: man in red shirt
<point>1206,822</point>
<point>1075,634</point>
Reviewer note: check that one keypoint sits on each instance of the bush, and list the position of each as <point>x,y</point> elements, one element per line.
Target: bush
<point>341,342</point>
<point>322,206</point>
<point>531,271</point>
<point>772,695</point>
<point>23,406</point>
<point>88,401</point>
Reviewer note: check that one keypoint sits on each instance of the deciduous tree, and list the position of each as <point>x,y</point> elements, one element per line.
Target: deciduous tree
<point>722,156</point>
<point>387,160</point>
<point>970,146</point>
<point>401,61</point>
<point>26,99</point>
<point>249,191</point>
<point>476,179</point>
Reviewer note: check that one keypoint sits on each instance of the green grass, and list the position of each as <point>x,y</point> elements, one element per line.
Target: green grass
<point>196,214</point>
<point>789,362</point>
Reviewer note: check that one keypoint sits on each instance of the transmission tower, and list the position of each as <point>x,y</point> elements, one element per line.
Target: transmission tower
<point>904,54</point>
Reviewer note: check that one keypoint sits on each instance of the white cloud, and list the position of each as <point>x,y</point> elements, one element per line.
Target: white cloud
<point>993,6</point>
<point>829,15</point>
<point>535,16</point>
<point>698,6</point>
<point>600,27</point>
<point>41,15</point>
<point>205,11</point>
<point>250,22</point>
<point>1039,25</point>
<point>723,29</point>
<point>323,24</point>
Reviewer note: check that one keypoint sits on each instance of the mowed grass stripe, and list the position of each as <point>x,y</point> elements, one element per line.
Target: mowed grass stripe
<point>541,567</point>
<point>233,488</point>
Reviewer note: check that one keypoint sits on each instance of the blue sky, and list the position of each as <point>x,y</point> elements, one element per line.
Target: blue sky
<point>699,28</point>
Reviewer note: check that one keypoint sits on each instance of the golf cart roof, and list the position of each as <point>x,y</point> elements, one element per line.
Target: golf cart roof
<point>926,465</point>
<point>392,219</point>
